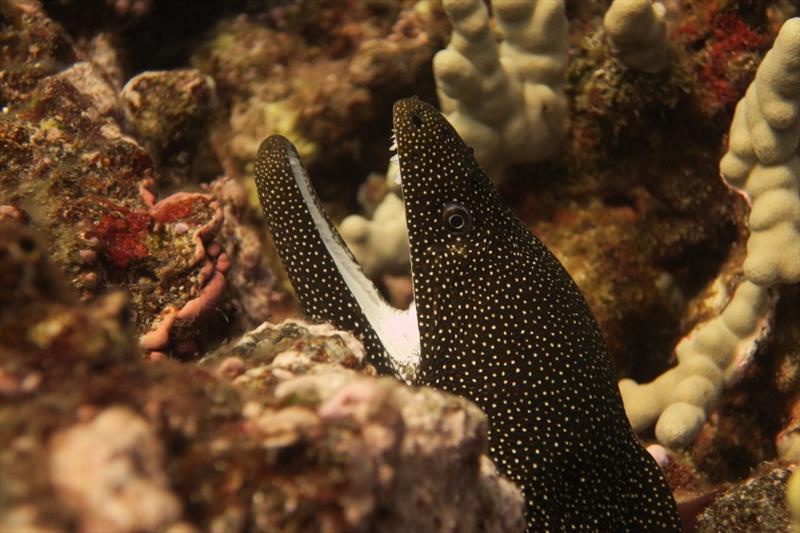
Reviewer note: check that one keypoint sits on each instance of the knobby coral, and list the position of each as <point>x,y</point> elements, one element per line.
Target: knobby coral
<point>505,101</point>
<point>638,33</point>
<point>763,164</point>
<point>380,244</point>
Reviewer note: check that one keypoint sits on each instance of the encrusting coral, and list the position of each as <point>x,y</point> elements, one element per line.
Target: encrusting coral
<point>505,101</point>
<point>638,34</point>
<point>762,163</point>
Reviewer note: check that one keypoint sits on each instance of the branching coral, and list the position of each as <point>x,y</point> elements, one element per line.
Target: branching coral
<point>505,101</point>
<point>638,33</point>
<point>764,165</point>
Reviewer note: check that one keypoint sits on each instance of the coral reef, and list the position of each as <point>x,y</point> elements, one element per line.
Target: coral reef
<point>69,170</point>
<point>762,159</point>
<point>125,194</point>
<point>754,505</point>
<point>505,101</point>
<point>363,57</point>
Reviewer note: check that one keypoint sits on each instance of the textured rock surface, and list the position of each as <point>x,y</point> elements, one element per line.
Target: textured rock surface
<point>68,168</point>
<point>170,112</point>
<point>363,58</point>
<point>401,458</point>
<point>109,471</point>
<point>286,429</point>
<point>757,504</point>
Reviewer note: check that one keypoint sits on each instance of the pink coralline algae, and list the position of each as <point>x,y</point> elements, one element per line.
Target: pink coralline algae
<point>190,210</point>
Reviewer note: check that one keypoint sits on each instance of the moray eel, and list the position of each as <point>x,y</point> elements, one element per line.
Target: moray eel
<point>496,319</point>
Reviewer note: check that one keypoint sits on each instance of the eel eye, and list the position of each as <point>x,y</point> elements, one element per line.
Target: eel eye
<point>457,219</point>
<point>416,120</point>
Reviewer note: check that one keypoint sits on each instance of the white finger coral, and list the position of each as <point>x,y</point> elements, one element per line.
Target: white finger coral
<point>506,101</point>
<point>709,358</point>
<point>763,163</point>
<point>638,34</point>
<point>379,245</point>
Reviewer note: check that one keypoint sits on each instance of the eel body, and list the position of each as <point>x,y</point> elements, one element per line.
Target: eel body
<point>495,319</point>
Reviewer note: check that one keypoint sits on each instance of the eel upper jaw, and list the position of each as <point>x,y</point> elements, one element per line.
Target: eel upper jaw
<point>397,330</point>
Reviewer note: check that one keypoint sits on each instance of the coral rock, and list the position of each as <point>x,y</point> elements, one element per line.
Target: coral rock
<point>110,471</point>
<point>170,111</point>
<point>284,429</point>
<point>756,504</point>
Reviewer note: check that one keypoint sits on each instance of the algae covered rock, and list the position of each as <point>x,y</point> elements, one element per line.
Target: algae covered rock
<point>170,111</point>
<point>285,429</point>
<point>383,457</point>
<point>756,504</point>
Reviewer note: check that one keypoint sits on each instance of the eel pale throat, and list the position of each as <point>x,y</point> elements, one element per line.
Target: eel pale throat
<point>496,320</point>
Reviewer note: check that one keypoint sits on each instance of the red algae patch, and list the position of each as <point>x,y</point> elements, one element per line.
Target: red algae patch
<point>122,235</point>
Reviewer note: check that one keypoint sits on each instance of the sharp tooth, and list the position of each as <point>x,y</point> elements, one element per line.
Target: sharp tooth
<point>393,147</point>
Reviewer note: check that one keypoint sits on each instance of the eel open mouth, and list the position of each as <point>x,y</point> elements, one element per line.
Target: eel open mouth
<point>310,244</point>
